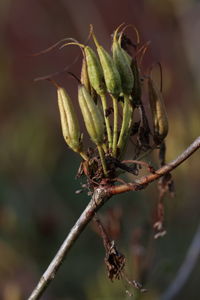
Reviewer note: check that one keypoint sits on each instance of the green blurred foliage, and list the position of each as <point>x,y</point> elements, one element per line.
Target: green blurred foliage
<point>38,205</point>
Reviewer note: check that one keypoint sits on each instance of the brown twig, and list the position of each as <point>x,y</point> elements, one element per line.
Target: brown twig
<point>142,182</point>
<point>100,196</point>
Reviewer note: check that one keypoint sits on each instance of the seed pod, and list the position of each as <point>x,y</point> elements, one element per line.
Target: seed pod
<point>135,66</point>
<point>137,90</point>
<point>95,71</point>
<point>86,81</point>
<point>92,116</point>
<point>159,115</point>
<point>84,75</point>
<point>111,74</point>
<point>128,57</point>
<point>69,121</point>
<point>122,63</point>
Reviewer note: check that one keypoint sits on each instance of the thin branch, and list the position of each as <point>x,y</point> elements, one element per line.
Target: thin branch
<point>185,269</point>
<point>98,199</point>
<point>100,196</point>
<point>142,182</point>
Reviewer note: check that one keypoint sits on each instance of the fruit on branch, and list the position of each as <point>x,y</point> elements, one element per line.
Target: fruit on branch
<point>158,110</point>
<point>69,122</point>
<point>111,74</point>
<point>122,63</point>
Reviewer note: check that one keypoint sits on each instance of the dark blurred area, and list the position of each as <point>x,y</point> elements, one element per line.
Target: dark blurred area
<point>38,204</point>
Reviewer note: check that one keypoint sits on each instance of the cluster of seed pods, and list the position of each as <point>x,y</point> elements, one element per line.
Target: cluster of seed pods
<point>115,76</point>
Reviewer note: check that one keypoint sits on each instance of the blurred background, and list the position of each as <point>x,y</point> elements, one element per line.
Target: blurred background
<point>38,204</point>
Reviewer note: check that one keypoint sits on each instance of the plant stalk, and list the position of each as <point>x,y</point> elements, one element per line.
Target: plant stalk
<point>103,161</point>
<point>108,128</point>
<point>115,126</point>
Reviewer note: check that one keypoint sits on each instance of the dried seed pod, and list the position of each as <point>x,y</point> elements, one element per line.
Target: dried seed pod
<point>137,90</point>
<point>69,121</point>
<point>159,114</point>
<point>122,62</point>
<point>135,66</point>
<point>111,74</point>
<point>92,116</point>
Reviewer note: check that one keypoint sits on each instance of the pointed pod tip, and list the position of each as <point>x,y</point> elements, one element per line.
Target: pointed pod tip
<point>117,31</point>
<point>95,39</point>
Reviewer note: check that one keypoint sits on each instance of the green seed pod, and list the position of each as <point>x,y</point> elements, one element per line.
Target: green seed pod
<point>111,74</point>
<point>92,116</point>
<point>159,115</point>
<point>84,75</point>
<point>128,57</point>
<point>69,121</point>
<point>95,71</point>
<point>122,63</point>
<point>86,81</point>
